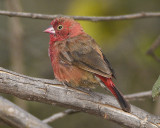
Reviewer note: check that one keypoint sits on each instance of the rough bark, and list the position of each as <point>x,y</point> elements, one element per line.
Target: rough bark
<point>53,92</point>
<point>17,117</point>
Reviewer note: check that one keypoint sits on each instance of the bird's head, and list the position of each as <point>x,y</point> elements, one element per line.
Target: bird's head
<point>63,28</point>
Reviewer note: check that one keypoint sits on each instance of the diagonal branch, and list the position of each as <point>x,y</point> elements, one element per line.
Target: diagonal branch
<point>130,97</point>
<point>52,92</point>
<point>17,117</point>
<point>89,18</point>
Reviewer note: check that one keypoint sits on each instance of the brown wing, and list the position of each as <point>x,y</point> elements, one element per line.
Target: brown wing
<point>82,51</point>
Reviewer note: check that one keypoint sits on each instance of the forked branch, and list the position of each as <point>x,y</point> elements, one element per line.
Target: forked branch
<point>153,47</point>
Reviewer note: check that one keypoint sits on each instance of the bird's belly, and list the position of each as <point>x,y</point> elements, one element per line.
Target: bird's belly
<point>74,76</point>
<point>67,73</point>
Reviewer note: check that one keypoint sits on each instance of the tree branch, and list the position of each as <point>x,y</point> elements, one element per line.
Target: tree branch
<point>130,97</point>
<point>153,47</point>
<point>53,92</point>
<point>59,115</point>
<point>17,117</point>
<point>89,18</point>
<point>139,95</point>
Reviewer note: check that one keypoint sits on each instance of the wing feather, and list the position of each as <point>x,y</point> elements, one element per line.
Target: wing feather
<point>84,53</point>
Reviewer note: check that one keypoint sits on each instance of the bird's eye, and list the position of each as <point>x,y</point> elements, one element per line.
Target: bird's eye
<point>59,27</point>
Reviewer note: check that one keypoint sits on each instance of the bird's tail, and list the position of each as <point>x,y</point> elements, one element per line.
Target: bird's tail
<point>110,85</point>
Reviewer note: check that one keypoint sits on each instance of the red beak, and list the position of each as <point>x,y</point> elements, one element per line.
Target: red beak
<point>50,30</point>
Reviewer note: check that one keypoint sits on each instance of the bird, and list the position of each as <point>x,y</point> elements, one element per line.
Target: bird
<point>78,61</point>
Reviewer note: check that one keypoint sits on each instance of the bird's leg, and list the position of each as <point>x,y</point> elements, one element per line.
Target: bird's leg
<point>81,89</point>
<point>86,90</point>
<point>66,85</point>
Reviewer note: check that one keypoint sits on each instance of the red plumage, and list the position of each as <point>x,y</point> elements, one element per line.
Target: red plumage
<point>110,85</point>
<point>77,60</point>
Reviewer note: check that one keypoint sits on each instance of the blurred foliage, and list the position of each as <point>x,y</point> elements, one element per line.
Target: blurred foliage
<point>156,89</point>
<point>97,8</point>
<point>123,42</point>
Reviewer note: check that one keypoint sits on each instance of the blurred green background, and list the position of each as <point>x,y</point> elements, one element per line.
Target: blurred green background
<point>24,49</point>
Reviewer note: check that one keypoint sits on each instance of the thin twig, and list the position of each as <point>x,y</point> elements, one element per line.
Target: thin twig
<point>59,115</point>
<point>89,18</point>
<point>153,47</point>
<point>139,95</point>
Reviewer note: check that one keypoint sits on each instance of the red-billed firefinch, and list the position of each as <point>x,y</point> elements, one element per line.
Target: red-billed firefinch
<point>77,60</point>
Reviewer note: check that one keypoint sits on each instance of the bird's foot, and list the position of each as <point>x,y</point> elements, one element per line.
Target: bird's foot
<point>86,90</point>
<point>66,85</point>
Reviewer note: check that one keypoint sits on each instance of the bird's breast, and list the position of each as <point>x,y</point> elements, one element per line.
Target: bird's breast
<point>68,72</point>
<point>62,70</point>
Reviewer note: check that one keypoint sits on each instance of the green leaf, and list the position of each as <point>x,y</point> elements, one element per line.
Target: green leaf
<point>156,89</point>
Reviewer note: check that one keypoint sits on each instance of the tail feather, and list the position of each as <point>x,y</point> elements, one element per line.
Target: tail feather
<point>110,85</point>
